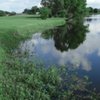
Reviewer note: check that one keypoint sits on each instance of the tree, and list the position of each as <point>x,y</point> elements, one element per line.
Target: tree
<point>90,10</point>
<point>12,13</point>
<point>95,10</point>
<point>2,13</point>
<point>34,9</point>
<point>56,6</point>
<point>27,11</point>
<point>73,8</point>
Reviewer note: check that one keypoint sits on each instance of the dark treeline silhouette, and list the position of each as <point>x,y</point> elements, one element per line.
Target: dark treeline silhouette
<point>33,10</point>
<point>91,10</point>
<point>7,13</point>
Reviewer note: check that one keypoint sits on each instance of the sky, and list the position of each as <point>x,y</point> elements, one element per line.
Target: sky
<point>94,3</point>
<point>20,5</point>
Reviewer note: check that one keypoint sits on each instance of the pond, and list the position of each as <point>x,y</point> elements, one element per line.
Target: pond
<point>74,45</point>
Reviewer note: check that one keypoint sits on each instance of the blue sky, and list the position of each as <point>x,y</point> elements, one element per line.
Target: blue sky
<point>19,5</point>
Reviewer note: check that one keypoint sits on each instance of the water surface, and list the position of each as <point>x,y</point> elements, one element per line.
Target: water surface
<point>69,45</point>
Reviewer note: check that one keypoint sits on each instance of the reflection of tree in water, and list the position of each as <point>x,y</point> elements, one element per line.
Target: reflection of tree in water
<point>68,36</point>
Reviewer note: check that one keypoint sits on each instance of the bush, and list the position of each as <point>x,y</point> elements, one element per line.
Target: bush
<point>45,12</point>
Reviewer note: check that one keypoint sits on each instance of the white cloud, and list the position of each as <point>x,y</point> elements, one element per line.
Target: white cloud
<point>90,1</point>
<point>94,3</point>
<point>18,5</point>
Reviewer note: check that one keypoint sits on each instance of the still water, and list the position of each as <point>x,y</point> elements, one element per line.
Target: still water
<point>75,45</point>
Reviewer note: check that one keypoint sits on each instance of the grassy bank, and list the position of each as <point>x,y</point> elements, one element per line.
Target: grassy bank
<point>15,28</point>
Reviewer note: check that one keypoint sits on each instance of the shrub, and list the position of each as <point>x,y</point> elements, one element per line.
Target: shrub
<point>45,12</point>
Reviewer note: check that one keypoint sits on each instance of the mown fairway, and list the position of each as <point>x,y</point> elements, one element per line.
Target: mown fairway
<point>24,23</point>
<point>14,28</point>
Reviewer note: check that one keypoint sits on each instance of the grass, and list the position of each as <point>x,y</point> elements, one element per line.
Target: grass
<point>15,28</point>
<point>23,24</point>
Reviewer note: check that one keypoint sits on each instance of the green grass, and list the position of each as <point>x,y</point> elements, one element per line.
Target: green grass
<point>13,29</point>
<point>23,24</point>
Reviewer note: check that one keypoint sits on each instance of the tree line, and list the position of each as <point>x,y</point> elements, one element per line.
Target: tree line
<point>62,8</point>
<point>59,8</point>
<point>7,13</point>
<point>93,10</point>
<point>33,10</point>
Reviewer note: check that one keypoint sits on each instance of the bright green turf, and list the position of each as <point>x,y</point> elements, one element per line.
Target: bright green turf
<point>28,23</point>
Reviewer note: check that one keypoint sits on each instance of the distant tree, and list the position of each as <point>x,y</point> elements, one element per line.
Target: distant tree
<point>34,9</point>
<point>7,12</point>
<point>27,11</point>
<point>96,10</point>
<point>90,10</point>
<point>12,13</point>
<point>2,13</point>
